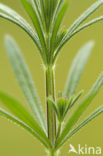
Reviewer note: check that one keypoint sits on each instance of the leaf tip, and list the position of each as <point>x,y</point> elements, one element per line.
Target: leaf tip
<point>7,39</point>
<point>91,43</point>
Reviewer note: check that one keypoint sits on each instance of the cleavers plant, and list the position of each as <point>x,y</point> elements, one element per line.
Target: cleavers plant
<point>49,37</point>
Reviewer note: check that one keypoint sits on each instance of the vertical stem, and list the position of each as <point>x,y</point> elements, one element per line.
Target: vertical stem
<point>51,119</point>
<point>53,154</point>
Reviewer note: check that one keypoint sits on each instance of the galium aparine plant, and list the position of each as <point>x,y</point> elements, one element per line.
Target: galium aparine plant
<point>49,37</point>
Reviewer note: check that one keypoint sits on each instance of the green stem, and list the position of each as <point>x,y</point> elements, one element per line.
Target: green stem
<point>51,119</point>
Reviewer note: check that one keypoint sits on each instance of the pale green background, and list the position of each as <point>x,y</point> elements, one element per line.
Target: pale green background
<point>15,141</point>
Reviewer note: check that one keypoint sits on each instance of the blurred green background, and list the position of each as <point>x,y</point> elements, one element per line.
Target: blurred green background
<point>14,140</point>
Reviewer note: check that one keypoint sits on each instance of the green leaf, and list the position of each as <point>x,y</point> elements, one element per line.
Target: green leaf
<point>58,22</point>
<point>14,17</point>
<point>42,9</point>
<point>36,6</point>
<point>47,10</point>
<point>16,108</point>
<point>82,124</point>
<point>81,108</point>
<point>20,112</point>
<point>76,24</point>
<point>22,124</point>
<point>59,37</point>
<point>59,4</point>
<point>33,15</point>
<point>52,8</point>
<point>73,101</point>
<point>24,78</point>
<point>83,17</point>
<point>53,105</point>
<point>95,20</point>
<point>62,105</point>
<point>76,69</point>
<point>76,98</point>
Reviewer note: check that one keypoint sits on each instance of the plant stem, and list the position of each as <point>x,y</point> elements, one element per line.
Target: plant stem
<point>53,154</point>
<point>51,119</point>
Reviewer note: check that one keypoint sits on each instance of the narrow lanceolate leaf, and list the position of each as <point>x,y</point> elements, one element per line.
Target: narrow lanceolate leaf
<point>76,98</point>
<point>82,124</point>
<point>76,69</point>
<point>57,9</point>
<point>34,17</point>
<point>16,108</point>
<point>42,10</point>
<point>24,78</point>
<point>58,22</point>
<point>77,23</point>
<point>81,108</point>
<point>47,9</point>
<point>86,25</point>
<point>36,6</point>
<point>14,17</point>
<point>73,101</point>
<point>20,112</point>
<point>84,16</point>
<point>23,125</point>
<point>95,20</point>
